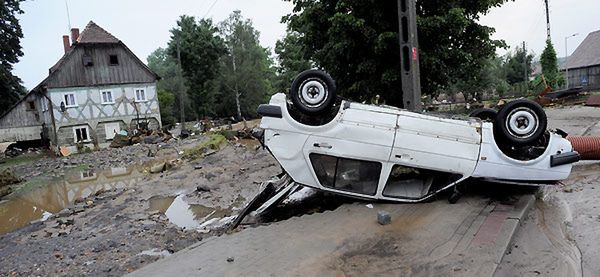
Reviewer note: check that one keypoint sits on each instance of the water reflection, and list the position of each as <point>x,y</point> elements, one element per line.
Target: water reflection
<point>39,203</point>
<point>184,215</point>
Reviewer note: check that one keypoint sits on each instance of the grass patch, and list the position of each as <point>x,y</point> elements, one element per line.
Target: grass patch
<point>21,159</point>
<point>214,142</point>
<point>30,185</point>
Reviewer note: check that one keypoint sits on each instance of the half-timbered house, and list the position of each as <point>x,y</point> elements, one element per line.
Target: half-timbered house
<point>97,89</point>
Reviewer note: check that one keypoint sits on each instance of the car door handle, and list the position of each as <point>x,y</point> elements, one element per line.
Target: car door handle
<point>322,145</point>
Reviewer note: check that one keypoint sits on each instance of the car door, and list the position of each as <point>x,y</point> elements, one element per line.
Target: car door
<point>430,152</point>
<point>349,157</point>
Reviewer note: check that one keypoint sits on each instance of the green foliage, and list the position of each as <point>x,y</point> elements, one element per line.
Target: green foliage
<point>166,102</point>
<point>516,64</point>
<point>550,66</point>
<point>11,89</point>
<point>291,60</point>
<point>170,87</point>
<point>200,48</point>
<point>246,73</point>
<point>357,42</point>
<point>487,80</point>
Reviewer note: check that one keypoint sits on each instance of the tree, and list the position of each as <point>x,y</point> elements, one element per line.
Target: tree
<point>170,87</point>
<point>291,60</point>
<point>516,64</point>
<point>11,87</point>
<point>246,76</point>
<point>166,102</point>
<point>200,48</point>
<point>549,63</point>
<point>357,42</point>
<point>488,79</point>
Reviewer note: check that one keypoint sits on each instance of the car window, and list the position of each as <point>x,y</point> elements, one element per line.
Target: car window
<point>351,175</point>
<point>415,183</point>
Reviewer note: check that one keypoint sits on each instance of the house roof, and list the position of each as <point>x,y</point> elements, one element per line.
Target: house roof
<point>95,34</point>
<point>92,34</point>
<point>587,54</point>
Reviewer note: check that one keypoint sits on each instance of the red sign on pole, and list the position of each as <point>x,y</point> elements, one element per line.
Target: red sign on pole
<point>414,53</point>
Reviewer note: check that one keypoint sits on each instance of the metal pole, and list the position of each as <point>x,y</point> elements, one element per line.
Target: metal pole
<point>566,60</point>
<point>567,57</point>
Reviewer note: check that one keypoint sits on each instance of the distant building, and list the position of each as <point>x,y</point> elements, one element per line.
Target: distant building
<point>98,88</point>
<point>584,64</point>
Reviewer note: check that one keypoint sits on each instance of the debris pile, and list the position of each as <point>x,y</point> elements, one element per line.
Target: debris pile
<point>147,137</point>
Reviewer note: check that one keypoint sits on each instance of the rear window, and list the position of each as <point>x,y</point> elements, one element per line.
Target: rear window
<point>351,175</point>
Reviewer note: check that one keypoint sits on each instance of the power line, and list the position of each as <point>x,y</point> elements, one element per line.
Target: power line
<point>210,9</point>
<point>68,16</point>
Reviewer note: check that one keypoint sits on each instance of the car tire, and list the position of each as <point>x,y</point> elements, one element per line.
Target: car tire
<point>313,92</point>
<point>484,114</point>
<point>520,122</point>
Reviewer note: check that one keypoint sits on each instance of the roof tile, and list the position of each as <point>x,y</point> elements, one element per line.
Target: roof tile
<point>95,34</point>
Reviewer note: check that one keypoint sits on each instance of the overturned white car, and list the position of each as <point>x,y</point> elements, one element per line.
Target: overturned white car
<point>386,153</point>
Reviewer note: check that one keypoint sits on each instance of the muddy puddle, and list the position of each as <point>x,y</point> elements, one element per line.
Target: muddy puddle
<point>39,201</point>
<point>189,216</point>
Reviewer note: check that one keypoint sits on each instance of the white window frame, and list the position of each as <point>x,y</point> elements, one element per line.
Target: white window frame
<point>107,92</point>
<point>71,105</point>
<point>110,136</point>
<point>87,132</point>
<point>137,98</point>
<point>87,175</point>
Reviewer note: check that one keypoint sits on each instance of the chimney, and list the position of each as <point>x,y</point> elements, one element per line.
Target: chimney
<point>74,35</point>
<point>66,43</point>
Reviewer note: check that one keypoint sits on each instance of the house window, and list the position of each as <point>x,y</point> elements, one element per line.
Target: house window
<point>113,59</point>
<point>140,94</point>
<point>81,134</point>
<point>88,174</point>
<point>87,60</point>
<point>70,100</point>
<point>30,105</point>
<point>107,97</point>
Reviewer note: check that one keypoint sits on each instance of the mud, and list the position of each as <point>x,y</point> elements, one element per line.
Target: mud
<point>104,214</point>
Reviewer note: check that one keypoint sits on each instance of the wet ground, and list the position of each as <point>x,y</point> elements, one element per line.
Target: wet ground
<point>106,219</point>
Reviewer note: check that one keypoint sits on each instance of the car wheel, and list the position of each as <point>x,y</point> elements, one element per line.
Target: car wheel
<point>484,114</point>
<point>521,122</point>
<point>313,92</point>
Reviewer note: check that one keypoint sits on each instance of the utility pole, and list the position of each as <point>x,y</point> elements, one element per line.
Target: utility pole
<point>525,62</point>
<point>409,55</point>
<point>182,87</point>
<point>547,18</point>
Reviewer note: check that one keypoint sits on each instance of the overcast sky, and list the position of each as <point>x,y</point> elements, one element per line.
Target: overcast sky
<point>144,24</point>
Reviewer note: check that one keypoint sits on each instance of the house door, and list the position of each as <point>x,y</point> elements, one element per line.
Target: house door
<point>112,129</point>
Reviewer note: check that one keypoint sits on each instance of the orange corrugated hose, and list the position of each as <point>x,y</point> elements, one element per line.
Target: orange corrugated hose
<point>588,146</point>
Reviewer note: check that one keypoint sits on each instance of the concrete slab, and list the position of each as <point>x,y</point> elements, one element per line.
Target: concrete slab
<point>468,239</point>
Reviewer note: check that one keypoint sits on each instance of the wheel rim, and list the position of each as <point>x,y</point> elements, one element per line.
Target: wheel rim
<point>522,123</point>
<point>313,93</point>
